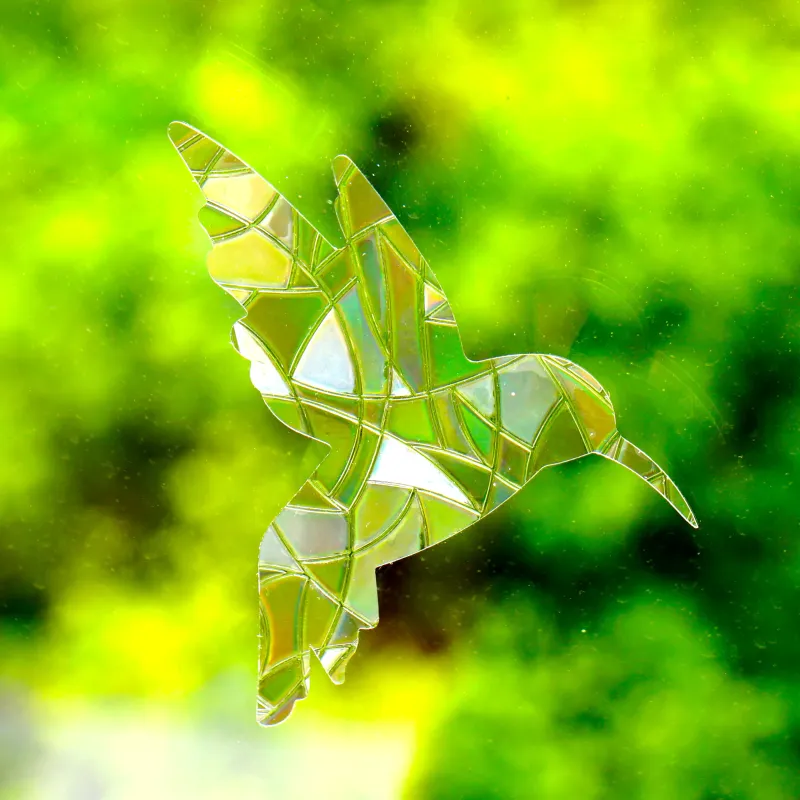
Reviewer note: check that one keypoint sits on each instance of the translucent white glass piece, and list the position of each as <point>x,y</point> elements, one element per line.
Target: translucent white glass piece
<point>273,552</point>
<point>480,393</point>
<point>399,386</point>
<point>268,380</point>
<point>313,533</point>
<point>325,363</point>
<point>247,344</point>
<point>400,465</point>
<point>527,393</point>
<point>279,221</point>
<point>433,298</point>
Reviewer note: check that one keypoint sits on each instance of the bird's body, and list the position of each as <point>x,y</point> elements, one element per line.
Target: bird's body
<point>357,347</point>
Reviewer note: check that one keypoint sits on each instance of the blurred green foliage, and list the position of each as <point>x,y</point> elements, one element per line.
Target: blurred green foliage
<point>634,169</point>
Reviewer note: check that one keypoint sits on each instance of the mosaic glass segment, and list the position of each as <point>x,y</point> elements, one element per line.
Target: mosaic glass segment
<point>358,348</point>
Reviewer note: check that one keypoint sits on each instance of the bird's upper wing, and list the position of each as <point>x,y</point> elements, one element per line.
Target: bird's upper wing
<point>260,241</point>
<point>400,330</point>
<point>407,308</point>
<point>265,255</point>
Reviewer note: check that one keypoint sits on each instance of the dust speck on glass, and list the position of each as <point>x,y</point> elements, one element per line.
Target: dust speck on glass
<point>357,347</point>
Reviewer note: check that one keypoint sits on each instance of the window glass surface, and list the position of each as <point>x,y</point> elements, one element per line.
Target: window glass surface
<point>616,186</point>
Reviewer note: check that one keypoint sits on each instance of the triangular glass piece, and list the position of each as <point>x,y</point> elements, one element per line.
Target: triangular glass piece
<point>443,519</point>
<point>527,396</point>
<point>379,508</point>
<point>358,204</point>
<point>268,380</point>
<point>247,345</point>
<point>433,298</point>
<point>300,278</point>
<point>284,322</point>
<point>325,363</point>
<point>480,394</point>
<point>329,574</point>
<point>218,223</point>
<point>472,477</point>
<point>399,386</point>
<point>400,465</point>
<point>240,295</point>
<point>442,313</point>
<point>560,441</point>
<point>499,492</point>
<point>310,496</point>
<point>482,435</point>
<point>272,551</point>
<point>279,220</point>
<point>334,660</point>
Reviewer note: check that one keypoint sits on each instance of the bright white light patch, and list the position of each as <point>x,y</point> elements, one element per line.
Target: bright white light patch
<point>399,465</point>
<point>399,386</point>
<point>325,363</point>
<point>267,379</point>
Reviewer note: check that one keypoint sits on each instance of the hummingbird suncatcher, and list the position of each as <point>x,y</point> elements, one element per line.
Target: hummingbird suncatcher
<point>357,347</point>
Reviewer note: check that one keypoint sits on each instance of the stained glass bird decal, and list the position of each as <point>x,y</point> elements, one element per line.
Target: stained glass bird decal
<point>357,347</point>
